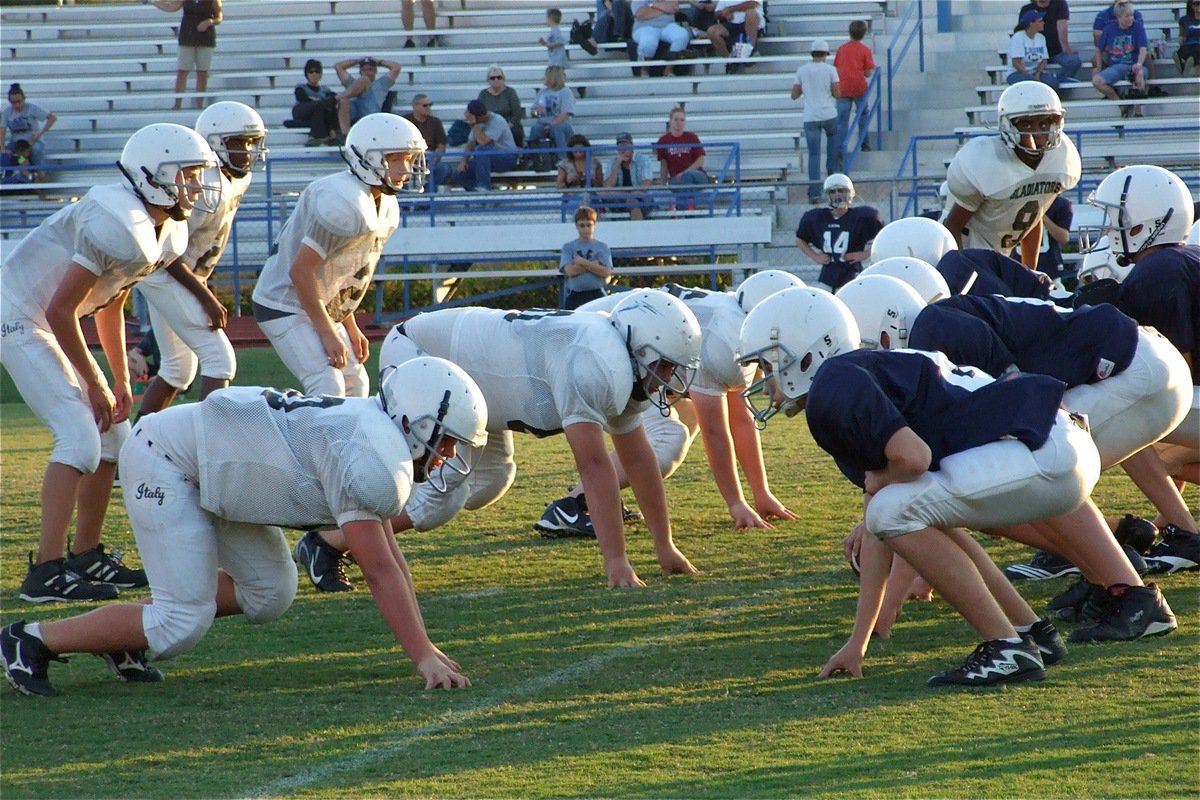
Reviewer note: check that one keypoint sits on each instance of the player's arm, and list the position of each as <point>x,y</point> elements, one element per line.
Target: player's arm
<point>957,220</point>
<point>303,273</point>
<point>1031,245</point>
<point>110,328</point>
<point>748,446</point>
<point>908,458</point>
<point>599,481</point>
<point>818,256</point>
<point>712,414</point>
<point>391,587</point>
<point>358,339</point>
<point>641,468</point>
<point>1055,231</point>
<point>797,90</point>
<point>62,314</point>
<point>213,307</point>
<point>874,562</point>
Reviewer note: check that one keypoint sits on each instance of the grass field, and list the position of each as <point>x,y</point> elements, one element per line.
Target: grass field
<point>699,687</point>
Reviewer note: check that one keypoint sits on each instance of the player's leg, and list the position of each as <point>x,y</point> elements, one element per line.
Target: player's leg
<point>299,348</point>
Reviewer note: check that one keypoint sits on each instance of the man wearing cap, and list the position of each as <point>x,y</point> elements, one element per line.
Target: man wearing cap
<point>1027,52</point>
<point>1058,45</point>
<point>817,83</point>
<point>365,94</point>
<point>489,147</point>
<point>629,170</point>
<point>434,134</point>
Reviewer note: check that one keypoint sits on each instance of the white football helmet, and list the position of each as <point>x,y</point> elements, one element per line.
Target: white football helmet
<point>229,119</point>
<point>374,137</point>
<point>840,190</point>
<point>431,398</point>
<point>1029,99</point>
<point>658,327</point>
<point>915,237</point>
<point>882,305</point>
<point>1194,234</point>
<point>761,285</point>
<point>918,274</point>
<point>1143,206</point>
<point>1100,262</point>
<point>152,160</point>
<point>790,334</point>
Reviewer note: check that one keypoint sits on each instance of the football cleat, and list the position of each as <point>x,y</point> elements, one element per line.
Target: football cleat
<point>1041,567</point>
<point>1049,643</point>
<point>631,515</point>
<point>53,580</point>
<point>1129,612</point>
<point>1178,551</point>
<point>1136,532</point>
<point>324,565</point>
<point>98,566</point>
<point>996,661</point>
<point>26,659</point>
<point>1080,602</point>
<point>131,666</point>
<point>566,518</point>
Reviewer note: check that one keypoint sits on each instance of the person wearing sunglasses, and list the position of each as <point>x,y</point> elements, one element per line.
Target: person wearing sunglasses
<point>500,98</point>
<point>316,107</point>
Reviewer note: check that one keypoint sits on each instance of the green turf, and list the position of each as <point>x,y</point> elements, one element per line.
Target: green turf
<point>694,687</point>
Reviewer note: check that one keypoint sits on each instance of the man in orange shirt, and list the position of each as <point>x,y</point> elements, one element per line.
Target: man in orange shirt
<point>854,64</point>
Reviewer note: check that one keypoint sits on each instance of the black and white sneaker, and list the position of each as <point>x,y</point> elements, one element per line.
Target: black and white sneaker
<point>1131,612</point>
<point>1137,532</point>
<point>1041,567</point>
<point>98,566</point>
<point>996,661</point>
<point>1049,643</point>
<point>566,518</point>
<point>631,515</point>
<point>26,659</point>
<point>1178,551</point>
<point>53,580</point>
<point>324,565</point>
<point>131,666</point>
<point>1080,602</point>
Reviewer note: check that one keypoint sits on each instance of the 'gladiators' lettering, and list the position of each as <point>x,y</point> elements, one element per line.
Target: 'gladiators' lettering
<point>146,493</point>
<point>1036,188</point>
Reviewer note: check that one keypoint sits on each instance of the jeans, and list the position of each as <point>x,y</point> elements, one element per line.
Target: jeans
<point>1069,64</point>
<point>812,139</point>
<point>558,131</point>
<point>691,177</point>
<point>843,125</point>
<point>648,38</point>
<point>484,160</point>
<point>440,173</point>
<point>614,25</point>
<point>1048,78</point>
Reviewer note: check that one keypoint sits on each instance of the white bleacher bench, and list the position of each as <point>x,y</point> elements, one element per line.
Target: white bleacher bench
<point>1186,106</point>
<point>992,92</point>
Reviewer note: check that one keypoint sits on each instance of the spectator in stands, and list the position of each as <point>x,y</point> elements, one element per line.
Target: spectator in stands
<point>428,13</point>
<point>24,121</point>
<point>1121,53</point>
<point>1056,232</point>
<point>580,169</point>
<point>614,21</point>
<point>854,64</point>
<point>701,14</point>
<point>434,133</point>
<point>489,148</point>
<point>316,106</point>
<point>1027,52</point>
<point>586,262</point>
<point>197,41</point>
<point>500,98</point>
<point>1058,17</point>
<point>553,108</point>
<point>680,155</point>
<point>654,23</point>
<point>735,19</point>
<point>630,170</point>
<point>1106,16</point>
<point>365,94</point>
<point>839,237</point>
<point>1187,57</point>
<point>15,164</point>
<point>818,83</point>
<point>554,41</point>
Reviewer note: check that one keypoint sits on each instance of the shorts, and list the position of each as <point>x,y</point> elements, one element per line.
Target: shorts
<point>194,58</point>
<point>1116,72</point>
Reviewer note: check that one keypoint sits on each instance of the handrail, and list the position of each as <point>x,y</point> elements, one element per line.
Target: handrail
<point>894,61</point>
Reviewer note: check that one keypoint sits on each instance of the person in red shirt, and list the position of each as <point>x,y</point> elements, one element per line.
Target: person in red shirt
<point>680,155</point>
<point>854,64</point>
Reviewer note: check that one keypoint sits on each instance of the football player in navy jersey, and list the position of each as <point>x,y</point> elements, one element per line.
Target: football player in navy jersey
<point>978,271</point>
<point>838,238</point>
<point>938,448</point>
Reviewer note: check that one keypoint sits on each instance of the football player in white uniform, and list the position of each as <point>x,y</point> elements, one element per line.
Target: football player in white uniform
<point>713,408</point>
<point>187,318</point>
<point>83,260</point>
<point>1002,185</point>
<point>309,289</point>
<point>547,372</point>
<point>205,510</point>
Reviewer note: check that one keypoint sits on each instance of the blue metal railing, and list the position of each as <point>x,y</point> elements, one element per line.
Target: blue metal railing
<point>900,44</point>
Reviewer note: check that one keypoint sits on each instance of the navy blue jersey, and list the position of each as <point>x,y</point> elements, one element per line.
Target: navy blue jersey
<point>992,333</point>
<point>836,236</point>
<point>858,400</point>
<point>985,272</point>
<point>1163,291</point>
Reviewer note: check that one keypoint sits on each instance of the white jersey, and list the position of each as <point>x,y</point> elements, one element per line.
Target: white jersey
<point>208,231</point>
<point>315,461</point>
<point>539,370</point>
<point>1007,197</point>
<point>720,317</point>
<point>108,232</point>
<point>337,217</point>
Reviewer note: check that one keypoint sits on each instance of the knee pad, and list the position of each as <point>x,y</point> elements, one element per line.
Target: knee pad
<point>490,484</point>
<point>173,629</point>
<point>216,356</point>
<point>77,442</point>
<point>113,440</point>
<point>357,382</point>
<point>179,368</point>
<point>671,439</point>
<point>271,599</point>
<point>429,509</point>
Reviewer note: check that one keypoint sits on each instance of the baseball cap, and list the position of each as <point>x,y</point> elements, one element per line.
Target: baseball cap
<point>368,62</point>
<point>1031,16</point>
<point>624,138</point>
<point>822,46</point>
<point>476,108</point>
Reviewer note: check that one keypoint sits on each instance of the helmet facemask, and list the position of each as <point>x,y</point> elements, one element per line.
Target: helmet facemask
<point>840,197</point>
<point>1126,236</point>
<point>374,162</point>
<point>776,362</point>
<point>662,390</point>
<point>425,435</point>
<point>240,152</point>
<point>1014,136</point>
<point>178,182</point>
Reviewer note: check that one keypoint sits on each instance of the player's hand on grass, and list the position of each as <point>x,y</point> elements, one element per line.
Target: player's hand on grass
<point>847,661</point>
<point>769,507</point>
<point>439,675</point>
<point>674,562</point>
<point>621,575</point>
<point>853,543</point>
<point>745,517</point>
